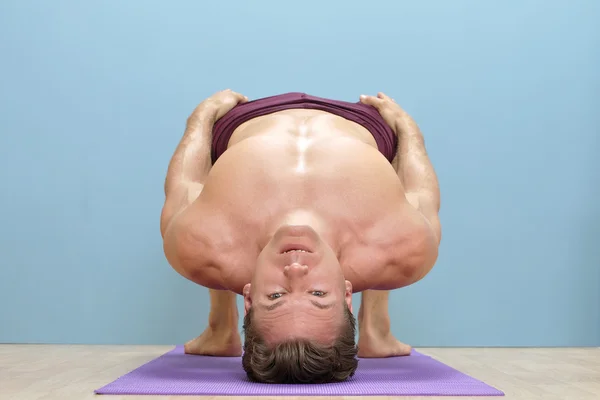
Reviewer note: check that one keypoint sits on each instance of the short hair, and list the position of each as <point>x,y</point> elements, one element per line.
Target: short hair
<point>300,360</point>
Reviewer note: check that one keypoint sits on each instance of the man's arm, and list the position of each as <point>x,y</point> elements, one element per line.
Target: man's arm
<point>189,165</point>
<point>416,172</point>
<point>413,166</point>
<point>417,249</point>
<point>422,192</point>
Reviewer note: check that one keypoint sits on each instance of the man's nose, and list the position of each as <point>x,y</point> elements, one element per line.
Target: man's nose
<point>295,270</point>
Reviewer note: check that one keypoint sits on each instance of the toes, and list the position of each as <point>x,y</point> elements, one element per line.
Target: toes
<point>188,348</point>
<point>403,349</point>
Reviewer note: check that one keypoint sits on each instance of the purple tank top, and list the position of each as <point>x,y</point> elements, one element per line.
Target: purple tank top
<point>362,114</point>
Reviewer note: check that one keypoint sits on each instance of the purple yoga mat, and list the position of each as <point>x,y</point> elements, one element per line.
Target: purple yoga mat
<point>176,373</point>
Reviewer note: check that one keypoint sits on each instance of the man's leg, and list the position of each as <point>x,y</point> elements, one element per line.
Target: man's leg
<point>221,338</point>
<point>374,327</point>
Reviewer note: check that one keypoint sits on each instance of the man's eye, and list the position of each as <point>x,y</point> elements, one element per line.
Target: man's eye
<point>274,296</point>
<point>318,293</point>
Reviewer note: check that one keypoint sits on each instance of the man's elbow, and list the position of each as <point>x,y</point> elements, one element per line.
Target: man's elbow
<point>426,265</point>
<point>417,265</point>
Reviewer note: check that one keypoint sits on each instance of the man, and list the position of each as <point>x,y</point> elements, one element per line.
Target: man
<point>295,202</point>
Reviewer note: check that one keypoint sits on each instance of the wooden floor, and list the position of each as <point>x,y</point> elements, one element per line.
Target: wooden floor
<point>57,372</point>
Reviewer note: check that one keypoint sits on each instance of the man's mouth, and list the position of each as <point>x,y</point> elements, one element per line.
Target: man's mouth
<point>298,250</point>
<point>295,248</point>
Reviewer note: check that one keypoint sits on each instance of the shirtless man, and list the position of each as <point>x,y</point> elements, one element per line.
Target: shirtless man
<point>295,202</point>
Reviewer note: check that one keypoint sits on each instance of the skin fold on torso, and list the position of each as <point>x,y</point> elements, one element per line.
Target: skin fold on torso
<point>291,162</point>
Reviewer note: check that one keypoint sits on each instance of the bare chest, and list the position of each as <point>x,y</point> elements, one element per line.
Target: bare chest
<point>342,178</point>
<point>262,178</point>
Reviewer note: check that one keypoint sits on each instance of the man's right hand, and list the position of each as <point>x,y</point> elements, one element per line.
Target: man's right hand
<point>217,105</point>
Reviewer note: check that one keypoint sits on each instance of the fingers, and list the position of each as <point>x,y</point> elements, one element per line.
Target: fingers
<point>371,100</point>
<point>238,96</point>
<point>241,98</point>
<point>383,96</point>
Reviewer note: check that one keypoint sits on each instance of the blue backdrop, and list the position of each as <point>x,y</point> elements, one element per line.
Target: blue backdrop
<point>94,98</point>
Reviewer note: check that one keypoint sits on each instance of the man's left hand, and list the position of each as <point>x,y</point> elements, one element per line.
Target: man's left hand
<point>391,112</point>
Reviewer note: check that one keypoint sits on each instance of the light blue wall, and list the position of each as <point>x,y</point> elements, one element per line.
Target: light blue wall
<point>94,97</point>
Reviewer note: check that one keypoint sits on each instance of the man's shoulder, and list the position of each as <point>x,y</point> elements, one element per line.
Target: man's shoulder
<point>199,250</point>
<point>184,240</point>
<point>394,252</point>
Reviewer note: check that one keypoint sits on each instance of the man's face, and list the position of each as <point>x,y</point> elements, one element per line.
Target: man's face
<point>298,289</point>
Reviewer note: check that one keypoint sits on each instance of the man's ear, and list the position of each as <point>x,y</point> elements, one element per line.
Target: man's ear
<point>247,298</point>
<point>348,295</point>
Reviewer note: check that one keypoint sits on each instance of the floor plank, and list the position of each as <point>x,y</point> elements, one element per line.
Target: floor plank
<point>57,372</point>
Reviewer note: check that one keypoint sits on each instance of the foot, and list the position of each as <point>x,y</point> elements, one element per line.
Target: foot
<point>375,345</point>
<point>375,339</point>
<point>214,342</point>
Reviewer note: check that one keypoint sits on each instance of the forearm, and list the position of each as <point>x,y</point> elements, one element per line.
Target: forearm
<point>414,167</point>
<point>191,161</point>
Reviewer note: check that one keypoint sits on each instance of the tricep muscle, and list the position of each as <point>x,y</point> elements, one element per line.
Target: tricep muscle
<point>176,201</point>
